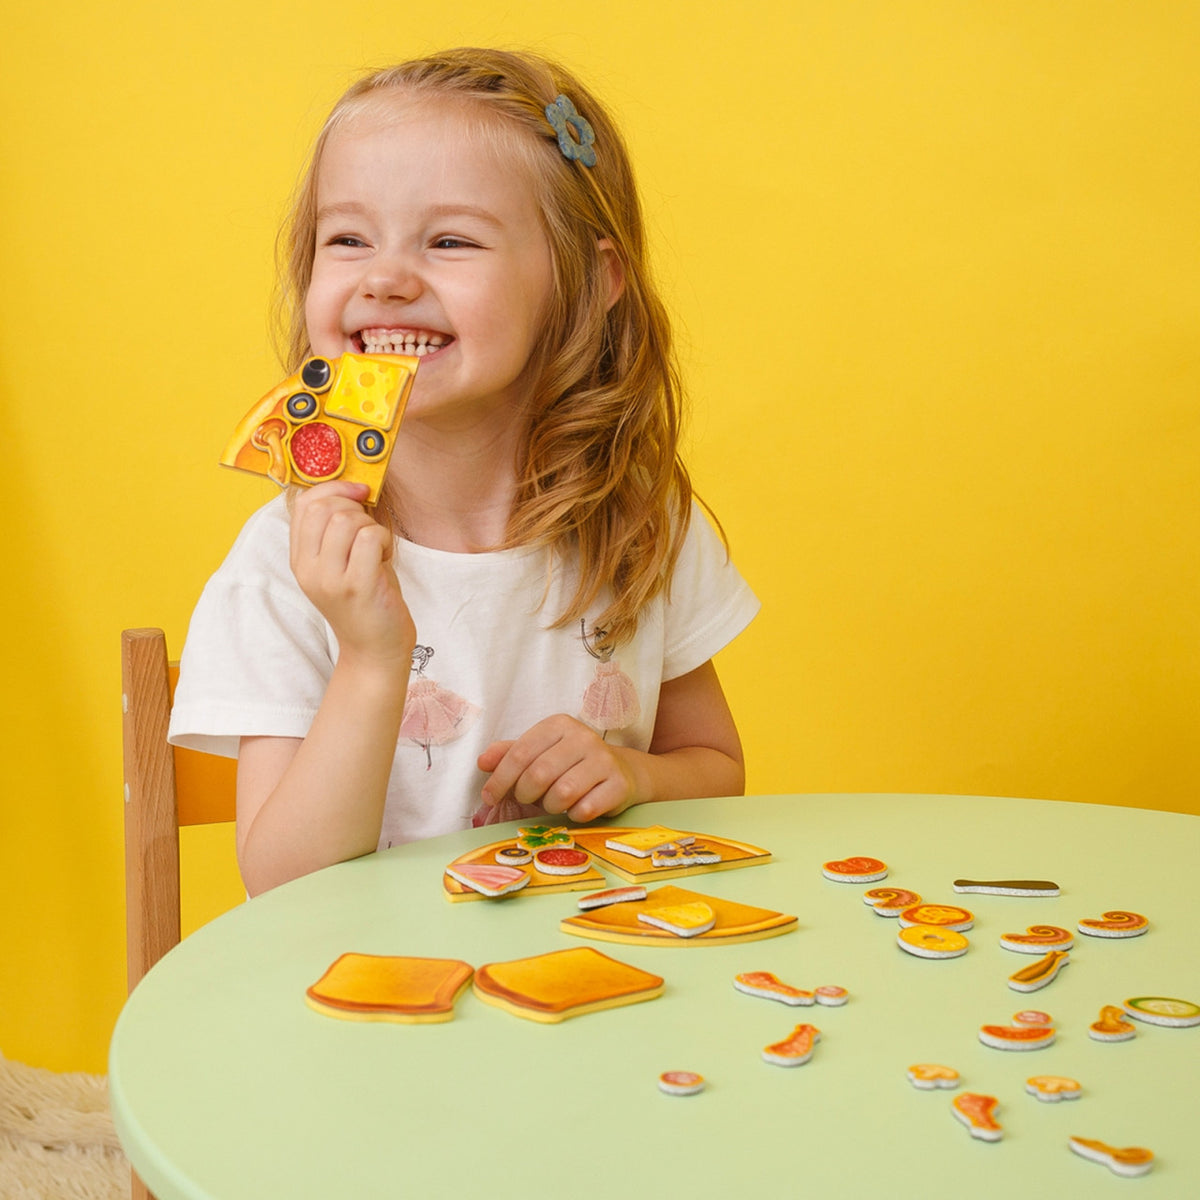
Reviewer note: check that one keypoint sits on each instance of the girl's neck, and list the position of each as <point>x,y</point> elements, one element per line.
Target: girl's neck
<point>453,495</point>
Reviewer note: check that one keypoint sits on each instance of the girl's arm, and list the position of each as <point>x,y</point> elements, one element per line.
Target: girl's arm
<point>307,803</point>
<point>567,767</point>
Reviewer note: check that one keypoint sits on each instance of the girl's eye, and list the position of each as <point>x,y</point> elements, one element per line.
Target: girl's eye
<point>449,242</point>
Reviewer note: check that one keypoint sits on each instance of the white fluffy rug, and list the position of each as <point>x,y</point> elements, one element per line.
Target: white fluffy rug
<point>56,1137</point>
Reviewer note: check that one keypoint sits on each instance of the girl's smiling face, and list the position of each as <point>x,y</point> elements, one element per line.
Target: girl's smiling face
<point>429,241</point>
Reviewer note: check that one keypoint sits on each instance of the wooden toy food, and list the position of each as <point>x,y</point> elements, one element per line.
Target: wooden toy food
<point>1008,887</point>
<point>978,1114</point>
<point>489,879</point>
<point>692,854</point>
<point>564,983</point>
<point>1053,1088</point>
<point>929,1076</point>
<point>642,843</point>
<point>931,941</point>
<point>890,901</point>
<point>539,837</point>
<point>944,916</point>
<point>733,922</point>
<point>1037,939</point>
<point>1162,1010</point>
<point>795,1050</point>
<point>336,418</point>
<point>620,895</point>
<point>632,853</point>
<point>562,860</point>
<point>1112,1026</point>
<point>764,984</point>
<point>860,869</point>
<point>564,868</point>
<point>680,1083</point>
<point>1017,1037</point>
<point>1130,1161</point>
<point>684,920</point>
<point>1115,924</point>
<point>1039,974</point>
<point>374,987</point>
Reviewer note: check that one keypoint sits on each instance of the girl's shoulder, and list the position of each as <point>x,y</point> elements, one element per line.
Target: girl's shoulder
<point>260,550</point>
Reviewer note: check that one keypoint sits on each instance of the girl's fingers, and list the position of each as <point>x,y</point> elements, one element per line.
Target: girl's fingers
<point>313,510</point>
<point>572,786</point>
<point>526,754</point>
<point>607,797</point>
<point>368,551</point>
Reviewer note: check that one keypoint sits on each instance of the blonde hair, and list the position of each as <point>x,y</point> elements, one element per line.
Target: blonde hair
<point>599,474</point>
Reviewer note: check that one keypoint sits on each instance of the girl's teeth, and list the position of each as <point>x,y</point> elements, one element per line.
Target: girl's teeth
<point>403,342</point>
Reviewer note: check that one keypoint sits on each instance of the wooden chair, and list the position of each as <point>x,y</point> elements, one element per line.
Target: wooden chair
<point>165,787</point>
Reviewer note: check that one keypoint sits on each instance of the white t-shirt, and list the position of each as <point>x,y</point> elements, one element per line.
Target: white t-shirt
<point>258,657</point>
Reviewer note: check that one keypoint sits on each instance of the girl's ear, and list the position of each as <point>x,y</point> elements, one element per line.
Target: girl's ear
<point>614,270</point>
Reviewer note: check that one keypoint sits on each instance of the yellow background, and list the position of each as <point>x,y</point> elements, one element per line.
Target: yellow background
<point>936,268</point>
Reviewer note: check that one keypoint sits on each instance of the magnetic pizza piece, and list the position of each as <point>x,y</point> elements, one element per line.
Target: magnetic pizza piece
<point>333,419</point>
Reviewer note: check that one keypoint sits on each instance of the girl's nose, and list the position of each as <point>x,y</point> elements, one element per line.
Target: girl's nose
<point>390,277</point>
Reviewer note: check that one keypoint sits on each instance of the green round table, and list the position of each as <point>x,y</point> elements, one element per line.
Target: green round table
<point>225,1084</point>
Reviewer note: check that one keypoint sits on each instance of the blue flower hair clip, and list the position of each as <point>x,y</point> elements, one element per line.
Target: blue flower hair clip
<point>562,115</point>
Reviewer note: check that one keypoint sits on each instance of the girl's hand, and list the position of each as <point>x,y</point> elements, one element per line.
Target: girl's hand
<point>562,764</point>
<point>341,558</point>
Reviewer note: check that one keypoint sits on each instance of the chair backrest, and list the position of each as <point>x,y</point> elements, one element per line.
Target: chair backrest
<point>165,787</point>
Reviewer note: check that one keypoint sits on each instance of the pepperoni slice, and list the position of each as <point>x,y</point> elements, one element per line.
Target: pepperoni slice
<point>317,450</point>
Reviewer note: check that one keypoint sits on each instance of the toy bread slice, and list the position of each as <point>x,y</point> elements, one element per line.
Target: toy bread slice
<point>334,419</point>
<point>374,987</point>
<point>564,983</point>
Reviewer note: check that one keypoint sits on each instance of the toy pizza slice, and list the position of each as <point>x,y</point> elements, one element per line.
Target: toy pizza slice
<point>334,419</point>
<point>564,983</point>
<point>456,885</point>
<point>639,855</point>
<point>376,987</point>
<point>731,922</point>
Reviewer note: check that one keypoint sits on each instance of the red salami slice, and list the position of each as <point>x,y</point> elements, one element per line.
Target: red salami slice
<point>317,450</point>
<point>558,860</point>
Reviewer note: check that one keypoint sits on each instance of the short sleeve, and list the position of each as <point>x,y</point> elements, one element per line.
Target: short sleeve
<point>258,655</point>
<point>709,603</point>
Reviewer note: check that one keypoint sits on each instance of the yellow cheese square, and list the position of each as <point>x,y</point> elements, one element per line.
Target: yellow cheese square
<point>368,390</point>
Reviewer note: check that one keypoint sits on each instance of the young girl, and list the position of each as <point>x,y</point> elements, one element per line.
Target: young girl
<point>528,616</point>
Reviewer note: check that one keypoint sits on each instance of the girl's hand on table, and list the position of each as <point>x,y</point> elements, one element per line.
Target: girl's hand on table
<point>342,560</point>
<point>563,765</point>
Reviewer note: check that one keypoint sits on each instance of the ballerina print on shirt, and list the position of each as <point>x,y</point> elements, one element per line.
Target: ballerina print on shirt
<point>610,701</point>
<point>433,715</point>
